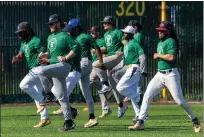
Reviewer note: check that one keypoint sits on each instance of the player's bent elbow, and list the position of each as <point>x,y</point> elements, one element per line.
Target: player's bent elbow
<point>171,58</point>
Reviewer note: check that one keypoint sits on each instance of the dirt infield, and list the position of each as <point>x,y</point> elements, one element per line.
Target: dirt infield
<point>97,103</point>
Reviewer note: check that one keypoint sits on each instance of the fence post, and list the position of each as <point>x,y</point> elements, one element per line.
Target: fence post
<point>163,18</point>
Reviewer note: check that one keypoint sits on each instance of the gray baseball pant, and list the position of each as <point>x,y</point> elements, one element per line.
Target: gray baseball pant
<point>84,83</point>
<point>109,62</point>
<point>58,73</point>
<point>95,82</point>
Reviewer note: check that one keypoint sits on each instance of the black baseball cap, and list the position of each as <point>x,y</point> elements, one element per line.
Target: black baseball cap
<point>54,18</point>
<point>22,26</point>
<point>135,23</point>
<point>108,19</point>
<point>164,26</point>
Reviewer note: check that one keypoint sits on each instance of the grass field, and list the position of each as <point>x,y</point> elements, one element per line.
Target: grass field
<point>165,121</point>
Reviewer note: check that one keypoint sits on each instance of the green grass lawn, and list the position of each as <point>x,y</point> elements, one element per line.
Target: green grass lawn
<point>165,121</point>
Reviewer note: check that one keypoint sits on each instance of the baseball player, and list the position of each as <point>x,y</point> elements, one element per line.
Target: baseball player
<point>86,43</point>
<point>167,76</point>
<point>71,81</point>
<point>94,79</point>
<point>113,38</point>
<point>138,36</point>
<point>127,85</point>
<point>143,67</point>
<point>61,49</point>
<point>30,48</point>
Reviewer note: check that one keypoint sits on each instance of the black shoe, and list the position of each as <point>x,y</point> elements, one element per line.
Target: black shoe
<point>49,97</point>
<point>74,112</point>
<point>196,124</point>
<point>68,125</point>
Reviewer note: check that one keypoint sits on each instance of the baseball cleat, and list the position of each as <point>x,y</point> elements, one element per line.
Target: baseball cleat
<point>41,108</point>
<point>137,126</point>
<point>104,89</point>
<point>43,123</point>
<point>58,112</point>
<point>91,123</point>
<point>68,125</point>
<point>74,112</point>
<point>49,97</point>
<point>196,124</point>
<point>105,114</point>
<point>122,110</point>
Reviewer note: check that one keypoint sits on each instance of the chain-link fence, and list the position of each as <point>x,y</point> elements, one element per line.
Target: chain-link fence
<point>186,16</point>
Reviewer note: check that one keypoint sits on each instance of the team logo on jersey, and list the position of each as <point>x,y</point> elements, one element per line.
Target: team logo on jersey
<point>108,40</point>
<point>125,51</point>
<point>52,44</point>
<point>26,50</point>
<point>160,50</point>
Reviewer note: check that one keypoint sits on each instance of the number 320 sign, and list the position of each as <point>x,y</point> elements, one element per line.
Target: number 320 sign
<point>136,8</point>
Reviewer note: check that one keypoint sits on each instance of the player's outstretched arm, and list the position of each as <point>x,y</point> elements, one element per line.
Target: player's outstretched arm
<point>167,57</point>
<point>17,58</point>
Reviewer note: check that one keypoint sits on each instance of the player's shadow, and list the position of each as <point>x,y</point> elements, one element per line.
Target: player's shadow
<point>21,115</point>
<point>122,128</point>
<point>167,128</point>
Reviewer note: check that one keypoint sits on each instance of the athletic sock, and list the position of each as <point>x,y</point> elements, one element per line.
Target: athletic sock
<point>120,104</point>
<point>91,116</point>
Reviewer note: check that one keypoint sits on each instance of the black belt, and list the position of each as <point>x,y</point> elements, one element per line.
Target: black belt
<point>165,71</point>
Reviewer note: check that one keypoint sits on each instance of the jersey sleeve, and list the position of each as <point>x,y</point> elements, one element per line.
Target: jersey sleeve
<point>21,49</point>
<point>101,42</point>
<point>137,38</point>
<point>139,49</point>
<point>143,63</point>
<point>38,45</point>
<point>171,47</point>
<point>73,45</point>
<point>47,50</point>
<point>120,35</point>
<point>92,43</point>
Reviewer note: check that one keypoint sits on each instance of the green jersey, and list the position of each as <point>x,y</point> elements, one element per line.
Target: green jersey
<point>60,44</point>
<point>131,52</point>
<point>139,38</point>
<point>31,51</point>
<point>75,61</point>
<point>113,41</point>
<point>167,46</point>
<point>101,43</point>
<point>86,43</point>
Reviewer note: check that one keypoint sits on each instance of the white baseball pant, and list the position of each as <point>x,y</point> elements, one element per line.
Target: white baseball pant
<point>118,75</point>
<point>32,86</point>
<point>172,82</point>
<point>127,85</point>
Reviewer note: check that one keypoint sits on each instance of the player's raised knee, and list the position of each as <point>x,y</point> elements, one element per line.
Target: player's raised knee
<point>23,85</point>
